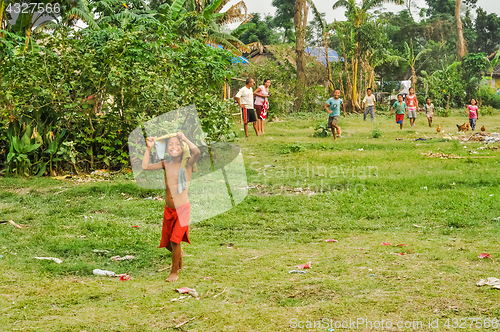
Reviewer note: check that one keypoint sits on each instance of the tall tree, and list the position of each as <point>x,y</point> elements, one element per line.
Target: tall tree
<point>300,22</point>
<point>357,16</point>
<point>283,18</point>
<point>412,59</point>
<point>325,30</point>
<point>460,31</point>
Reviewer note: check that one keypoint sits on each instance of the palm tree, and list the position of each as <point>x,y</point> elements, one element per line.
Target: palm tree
<point>357,16</point>
<point>210,10</point>
<point>411,59</point>
<point>325,32</point>
<point>493,63</point>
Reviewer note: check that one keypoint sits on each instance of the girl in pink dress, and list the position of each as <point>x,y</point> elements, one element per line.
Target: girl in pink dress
<point>473,113</point>
<point>261,104</point>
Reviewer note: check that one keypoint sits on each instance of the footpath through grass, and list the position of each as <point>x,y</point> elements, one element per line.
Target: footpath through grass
<point>358,190</point>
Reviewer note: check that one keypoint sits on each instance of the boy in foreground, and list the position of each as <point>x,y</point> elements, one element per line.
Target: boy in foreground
<point>177,174</point>
<point>400,108</point>
<point>332,106</point>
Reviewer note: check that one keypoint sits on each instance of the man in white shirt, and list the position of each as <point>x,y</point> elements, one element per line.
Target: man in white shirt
<point>369,104</point>
<point>244,97</point>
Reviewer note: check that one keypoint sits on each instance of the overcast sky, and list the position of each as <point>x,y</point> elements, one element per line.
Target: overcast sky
<point>325,6</point>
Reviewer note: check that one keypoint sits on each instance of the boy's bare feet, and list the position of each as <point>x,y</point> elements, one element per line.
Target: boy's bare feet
<point>172,277</point>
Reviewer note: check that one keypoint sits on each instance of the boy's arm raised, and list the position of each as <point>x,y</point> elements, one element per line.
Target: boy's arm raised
<point>195,151</point>
<point>145,161</point>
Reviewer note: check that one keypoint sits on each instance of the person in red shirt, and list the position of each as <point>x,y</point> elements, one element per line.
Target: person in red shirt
<point>473,113</point>
<point>411,106</point>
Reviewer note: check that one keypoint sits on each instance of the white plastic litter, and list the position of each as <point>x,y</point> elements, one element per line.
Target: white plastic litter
<point>491,281</point>
<point>124,258</point>
<point>57,260</point>
<point>99,272</point>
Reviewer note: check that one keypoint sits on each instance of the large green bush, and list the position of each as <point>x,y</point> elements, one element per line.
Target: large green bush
<point>93,88</point>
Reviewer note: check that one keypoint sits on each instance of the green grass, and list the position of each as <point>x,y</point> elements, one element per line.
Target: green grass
<point>317,189</point>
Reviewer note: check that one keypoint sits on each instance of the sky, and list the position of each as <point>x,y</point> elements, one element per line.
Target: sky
<point>265,7</point>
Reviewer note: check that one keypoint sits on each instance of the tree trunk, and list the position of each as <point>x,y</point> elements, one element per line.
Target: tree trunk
<point>328,69</point>
<point>300,22</point>
<point>460,31</point>
<point>348,78</point>
<point>413,77</point>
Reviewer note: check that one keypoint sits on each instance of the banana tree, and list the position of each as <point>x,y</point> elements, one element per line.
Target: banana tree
<point>357,16</point>
<point>412,59</point>
<point>325,32</point>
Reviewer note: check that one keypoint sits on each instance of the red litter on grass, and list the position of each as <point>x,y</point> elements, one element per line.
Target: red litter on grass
<point>315,254</point>
<point>400,253</point>
<point>124,277</point>
<point>485,255</point>
<point>401,245</point>
<point>386,243</point>
<point>304,266</point>
<point>331,240</point>
<point>183,290</point>
<point>135,226</point>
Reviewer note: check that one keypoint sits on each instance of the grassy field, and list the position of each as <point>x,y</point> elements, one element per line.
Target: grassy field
<point>358,190</point>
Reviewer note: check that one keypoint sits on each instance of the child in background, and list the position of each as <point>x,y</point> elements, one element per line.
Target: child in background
<point>412,106</point>
<point>429,110</point>
<point>400,108</point>
<point>369,104</point>
<point>473,113</point>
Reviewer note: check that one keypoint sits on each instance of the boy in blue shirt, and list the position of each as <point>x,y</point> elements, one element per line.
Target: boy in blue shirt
<point>332,106</point>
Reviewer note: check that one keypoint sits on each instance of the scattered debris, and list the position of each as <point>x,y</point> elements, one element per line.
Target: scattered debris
<point>418,226</point>
<point>186,290</point>
<point>399,139</point>
<point>386,244</point>
<point>101,251</point>
<point>149,197</point>
<point>179,325</point>
<point>135,226</point>
<point>424,188</point>
<point>99,272</point>
<point>485,255</point>
<point>401,245</point>
<point>441,155</point>
<point>331,240</point>
<point>225,289</point>
<point>124,258</point>
<point>421,139</point>
<point>13,223</point>
<point>57,260</point>
<point>491,281</point>
<point>297,271</point>
<point>399,253</point>
<point>360,149</point>
<point>179,298</point>
<point>164,268</point>
<point>229,245</point>
<point>269,166</point>
<point>304,266</point>
<point>123,277</point>
<point>496,219</point>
